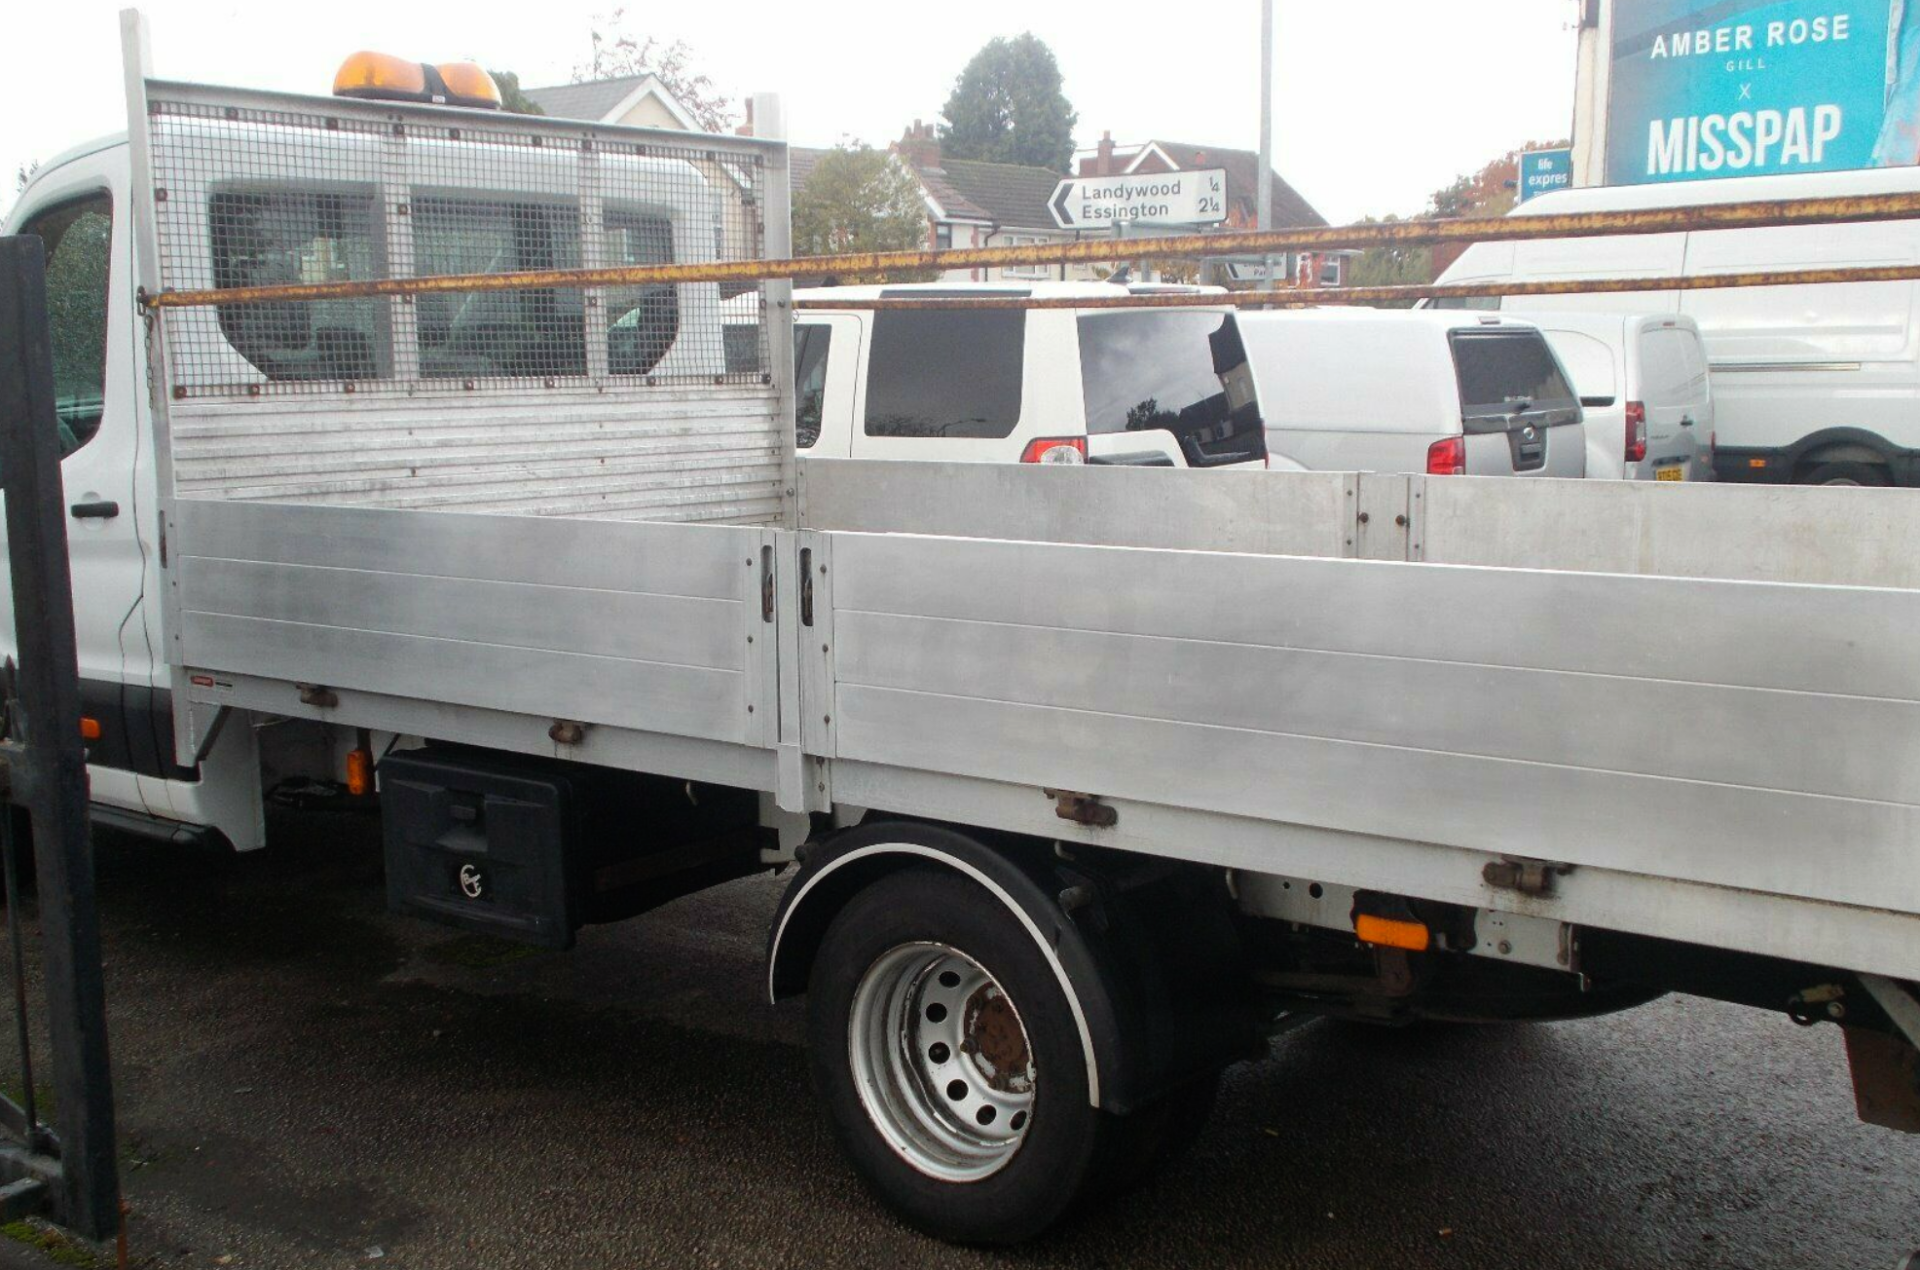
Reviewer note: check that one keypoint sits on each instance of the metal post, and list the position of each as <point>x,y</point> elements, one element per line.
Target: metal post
<point>50,767</point>
<point>1263,196</point>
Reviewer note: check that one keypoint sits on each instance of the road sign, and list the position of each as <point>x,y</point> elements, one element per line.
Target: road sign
<point>1543,171</point>
<point>1198,197</point>
<point>1254,268</point>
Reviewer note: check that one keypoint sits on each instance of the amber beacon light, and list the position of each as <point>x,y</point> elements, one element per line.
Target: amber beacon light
<point>384,77</point>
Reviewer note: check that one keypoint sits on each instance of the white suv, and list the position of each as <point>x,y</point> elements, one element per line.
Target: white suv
<point>1150,387</point>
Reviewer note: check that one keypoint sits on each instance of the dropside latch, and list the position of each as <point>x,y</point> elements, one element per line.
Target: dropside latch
<point>1082,809</point>
<point>1529,877</point>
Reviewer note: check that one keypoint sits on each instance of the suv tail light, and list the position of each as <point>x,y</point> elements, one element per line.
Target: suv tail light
<point>1448,457</point>
<point>1055,450</point>
<point>1636,431</point>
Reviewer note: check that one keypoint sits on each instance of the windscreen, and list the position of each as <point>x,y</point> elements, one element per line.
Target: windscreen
<point>1510,374</point>
<point>1172,372</point>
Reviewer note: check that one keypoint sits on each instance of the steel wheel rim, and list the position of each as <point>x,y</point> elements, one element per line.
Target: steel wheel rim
<point>942,1062</point>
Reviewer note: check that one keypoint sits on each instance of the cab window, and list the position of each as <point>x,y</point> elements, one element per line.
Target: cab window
<point>514,334</point>
<point>952,374</point>
<point>264,238</point>
<point>810,342</point>
<point>79,242</point>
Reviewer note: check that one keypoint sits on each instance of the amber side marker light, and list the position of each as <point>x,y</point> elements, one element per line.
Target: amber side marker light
<point>1389,933</point>
<point>89,729</point>
<point>359,772</point>
<point>383,77</point>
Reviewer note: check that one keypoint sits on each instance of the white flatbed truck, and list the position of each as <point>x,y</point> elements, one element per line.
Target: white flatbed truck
<point>1090,774</point>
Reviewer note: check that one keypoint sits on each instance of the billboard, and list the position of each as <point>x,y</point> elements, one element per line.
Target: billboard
<point>1700,89</point>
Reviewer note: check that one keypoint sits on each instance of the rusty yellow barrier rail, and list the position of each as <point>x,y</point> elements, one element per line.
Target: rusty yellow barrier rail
<point>1756,215</point>
<point>1311,298</point>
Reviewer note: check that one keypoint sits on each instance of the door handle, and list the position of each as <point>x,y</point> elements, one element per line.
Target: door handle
<point>106,509</point>
<point>1686,421</point>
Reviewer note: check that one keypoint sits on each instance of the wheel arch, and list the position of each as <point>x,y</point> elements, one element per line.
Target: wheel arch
<point>1146,951</point>
<point>836,870</point>
<point>1842,445</point>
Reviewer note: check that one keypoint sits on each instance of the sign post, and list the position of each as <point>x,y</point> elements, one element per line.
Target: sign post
<point>1198,197</point>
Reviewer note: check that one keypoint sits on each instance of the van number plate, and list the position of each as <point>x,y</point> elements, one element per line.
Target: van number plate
<point>1670,474</point>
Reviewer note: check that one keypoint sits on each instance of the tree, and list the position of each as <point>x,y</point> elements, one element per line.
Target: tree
<point>1492,191</point>
<point>858,198</point>
<point>1391,265</point>
<point>1007,106</point>
<point>512,100</point>
<point>617,53</point>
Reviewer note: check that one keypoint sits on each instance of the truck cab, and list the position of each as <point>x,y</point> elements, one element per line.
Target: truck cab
<point>78,204</point>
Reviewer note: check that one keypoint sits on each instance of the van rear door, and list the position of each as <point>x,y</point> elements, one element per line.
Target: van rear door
<point>1517,409</point>
<point>1672,387</point>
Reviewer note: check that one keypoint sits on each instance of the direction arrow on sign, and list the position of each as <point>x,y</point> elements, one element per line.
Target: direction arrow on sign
<point>1198,197</point>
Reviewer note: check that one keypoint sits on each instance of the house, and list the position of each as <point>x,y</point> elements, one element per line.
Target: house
<point>639,101</point>
<point>1290,210</point>
<point>973,203</point>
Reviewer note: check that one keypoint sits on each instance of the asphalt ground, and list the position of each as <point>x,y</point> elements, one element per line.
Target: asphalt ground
<point>305,1080</point>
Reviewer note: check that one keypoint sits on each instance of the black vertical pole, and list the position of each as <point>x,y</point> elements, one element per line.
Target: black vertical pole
<point>55,775</point>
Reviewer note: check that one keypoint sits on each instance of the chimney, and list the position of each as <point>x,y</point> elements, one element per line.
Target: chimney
<point>1103,165</point>
<point>746,128</point>
<point>919,145</point>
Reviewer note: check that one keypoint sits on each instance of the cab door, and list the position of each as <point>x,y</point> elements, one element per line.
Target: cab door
<point>80,215</point>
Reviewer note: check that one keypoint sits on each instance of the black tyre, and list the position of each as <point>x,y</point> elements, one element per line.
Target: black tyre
<point>1846,474</point>
<point>945,1050</point>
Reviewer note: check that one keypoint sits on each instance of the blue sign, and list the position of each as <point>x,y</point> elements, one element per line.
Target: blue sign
<point>1543,171</point>
<point>1715,88</point>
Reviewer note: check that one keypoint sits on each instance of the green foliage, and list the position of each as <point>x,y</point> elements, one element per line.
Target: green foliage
<point>859,199</point>
<point>1391,266</point>
<point>58,1247</point>
<point>617,53</point>
<point>1491,191</point>
<point>512,100</point>
<point>1008,107</point>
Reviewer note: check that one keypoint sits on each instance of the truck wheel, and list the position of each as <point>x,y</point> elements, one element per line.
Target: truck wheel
<point>945,1050</point>
<point>1848,474</point>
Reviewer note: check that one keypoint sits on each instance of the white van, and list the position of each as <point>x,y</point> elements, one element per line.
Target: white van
<point>1141,387</point>
<point>1643,385</point>
<point>1815,384</point>
<point>1387,390</point>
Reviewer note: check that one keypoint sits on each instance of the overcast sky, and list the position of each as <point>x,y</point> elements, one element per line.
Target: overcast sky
<point>1377,104</point>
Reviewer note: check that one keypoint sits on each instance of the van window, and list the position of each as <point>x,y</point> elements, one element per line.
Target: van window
<point>490,334</point>
<point>810,344</point>
<point>643,322</point>
<point>1506,372</point>
<point>939,374</point>
<point>1162,371</point>
<point>283,237</point>
<point>79,244</point>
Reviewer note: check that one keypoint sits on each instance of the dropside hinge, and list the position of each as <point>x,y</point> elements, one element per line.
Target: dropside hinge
<point>1082,809</point>
<point>1529,877</point>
